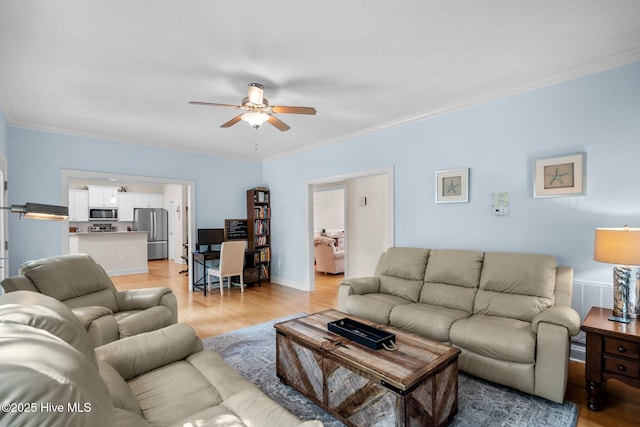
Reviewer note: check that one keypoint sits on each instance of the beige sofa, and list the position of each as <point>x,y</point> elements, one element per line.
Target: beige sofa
<point>509,313</point>
<point>51,375</point>
<point>84,286</point>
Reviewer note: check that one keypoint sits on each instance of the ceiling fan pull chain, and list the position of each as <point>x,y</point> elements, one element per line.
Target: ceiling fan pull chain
<point>255,138</point>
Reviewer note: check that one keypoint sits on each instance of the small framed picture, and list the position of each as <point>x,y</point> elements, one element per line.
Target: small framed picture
<point>452,186</point>
<point>559,176</point>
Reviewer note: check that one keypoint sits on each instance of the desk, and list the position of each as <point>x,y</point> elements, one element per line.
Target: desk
<point>200,265</point>
<point>251,272</point>
<point>613,352</point>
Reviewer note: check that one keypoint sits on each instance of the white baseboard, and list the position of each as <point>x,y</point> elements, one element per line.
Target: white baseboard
<point>289,283</point>
<point>127,271</point>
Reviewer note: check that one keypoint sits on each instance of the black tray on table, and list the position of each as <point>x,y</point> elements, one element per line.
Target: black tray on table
<point>371,337</point>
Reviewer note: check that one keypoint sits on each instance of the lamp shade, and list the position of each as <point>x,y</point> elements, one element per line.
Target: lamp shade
<point>617,246</point>
<point>40,211</point>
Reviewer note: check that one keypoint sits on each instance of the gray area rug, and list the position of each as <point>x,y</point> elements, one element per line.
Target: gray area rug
<point>251,351</point>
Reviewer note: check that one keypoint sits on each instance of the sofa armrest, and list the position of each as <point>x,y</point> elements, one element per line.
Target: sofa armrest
<point>558,315</point>
<point>88,315</point>
<point>362,285</point>
<point>141,299</point>
<point>358,286</point>
<point>136,355</point>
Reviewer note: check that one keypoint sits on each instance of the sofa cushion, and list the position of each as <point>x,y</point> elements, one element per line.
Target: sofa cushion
<point>516,285</point>
<point>68,276</point>
<point>499,338</point>
<point>452,278</point>
<point>401,272</point>
<point>454,267</point>
<point>430,321</point>
<point>376,307</point>
<point>405,263</point>
<point>48,314</point>
<point>38,367</point>
<point>104,298</point>
<point>173,392</point>
<point>121,394</point>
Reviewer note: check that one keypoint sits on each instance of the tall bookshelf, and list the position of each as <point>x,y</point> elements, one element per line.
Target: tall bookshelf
<point>259,228</point>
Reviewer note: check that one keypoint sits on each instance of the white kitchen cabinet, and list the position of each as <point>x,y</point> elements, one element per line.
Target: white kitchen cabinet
<point>147,200</point>
<point>125,207</point>
<point>103,197</point>
<point>78,205</point>
<point>154,200</point>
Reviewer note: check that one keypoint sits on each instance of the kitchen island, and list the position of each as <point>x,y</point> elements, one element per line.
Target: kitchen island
<point>118,252</point>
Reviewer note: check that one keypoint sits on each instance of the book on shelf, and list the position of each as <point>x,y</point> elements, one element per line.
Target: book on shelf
<point>264,271</point>
<point>261,197</point>
<point>262,212</point>
<point>261,227</point>
<point>261,241</point>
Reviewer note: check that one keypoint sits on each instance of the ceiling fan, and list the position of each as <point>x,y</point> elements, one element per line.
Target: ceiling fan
<point>258,110</point>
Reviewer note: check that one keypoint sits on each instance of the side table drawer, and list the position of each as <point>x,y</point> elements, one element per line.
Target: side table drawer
<point>622,348</point>
<point>617,365</point>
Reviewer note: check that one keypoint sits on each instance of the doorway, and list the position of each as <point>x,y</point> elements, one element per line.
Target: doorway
<point>368,219</point>
<point>182,191</point>
<point>328,222</point>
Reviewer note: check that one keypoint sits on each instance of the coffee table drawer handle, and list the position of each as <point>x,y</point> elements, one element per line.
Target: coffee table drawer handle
<point>621,368</point>
<point>621,349</point>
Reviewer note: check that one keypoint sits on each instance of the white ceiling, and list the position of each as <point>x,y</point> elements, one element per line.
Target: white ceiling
<point>124,70</point>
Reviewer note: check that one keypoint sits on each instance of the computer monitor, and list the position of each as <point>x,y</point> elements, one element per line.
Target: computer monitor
<point>210,237</point>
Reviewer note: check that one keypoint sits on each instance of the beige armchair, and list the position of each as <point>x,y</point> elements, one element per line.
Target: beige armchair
<point>161,378</point>
<point>83,285</point>
<point>328,258</point>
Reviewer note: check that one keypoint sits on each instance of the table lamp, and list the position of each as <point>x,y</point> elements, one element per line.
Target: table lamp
<point>621,246</point>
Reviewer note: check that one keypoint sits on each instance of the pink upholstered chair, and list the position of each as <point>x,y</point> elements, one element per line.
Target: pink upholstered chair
<point>328,258</point>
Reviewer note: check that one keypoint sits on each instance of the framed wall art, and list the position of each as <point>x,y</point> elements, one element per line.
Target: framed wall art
<point>452,186</point>
<point>559,176</point>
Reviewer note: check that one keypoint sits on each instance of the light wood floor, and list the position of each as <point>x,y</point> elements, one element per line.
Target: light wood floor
<point>213,315</point>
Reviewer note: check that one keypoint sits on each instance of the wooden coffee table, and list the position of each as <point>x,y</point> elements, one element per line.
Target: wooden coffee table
<point>414,386</point>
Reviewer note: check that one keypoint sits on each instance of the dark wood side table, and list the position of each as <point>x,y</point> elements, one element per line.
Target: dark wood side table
<point>613,352</point>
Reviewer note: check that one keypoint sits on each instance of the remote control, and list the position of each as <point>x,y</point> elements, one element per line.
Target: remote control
<point>619,319</point>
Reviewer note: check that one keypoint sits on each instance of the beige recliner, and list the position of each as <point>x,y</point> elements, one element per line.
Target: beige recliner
<point>328,258</point>
<point>161,378</point>
<point>83,285</point>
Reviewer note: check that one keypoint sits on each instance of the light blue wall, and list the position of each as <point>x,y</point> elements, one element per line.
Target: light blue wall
<point>498,141</point>
<point>3,134</point>
<point>36,159</point>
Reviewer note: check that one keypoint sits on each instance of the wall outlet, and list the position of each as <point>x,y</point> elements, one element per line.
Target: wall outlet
<point>501,211</point>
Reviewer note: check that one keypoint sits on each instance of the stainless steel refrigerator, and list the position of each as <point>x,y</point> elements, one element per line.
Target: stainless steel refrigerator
<point>154,222</point>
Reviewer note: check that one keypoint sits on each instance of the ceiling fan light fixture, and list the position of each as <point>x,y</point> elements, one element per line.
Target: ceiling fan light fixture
<point>255,118</point>
<point>256,93</point>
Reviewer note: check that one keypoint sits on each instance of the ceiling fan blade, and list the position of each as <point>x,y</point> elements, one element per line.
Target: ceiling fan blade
<point>214,104</point>
<point>293,110</point>
<point>232,122</point>
<point>278,123</point>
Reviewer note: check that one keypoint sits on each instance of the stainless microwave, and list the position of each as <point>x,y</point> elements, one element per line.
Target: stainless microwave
<point>103,214</point>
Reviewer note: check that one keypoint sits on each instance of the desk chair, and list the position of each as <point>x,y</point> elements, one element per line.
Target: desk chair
<point>231,264</point>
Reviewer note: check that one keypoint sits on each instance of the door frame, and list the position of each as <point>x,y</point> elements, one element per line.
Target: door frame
<point>4,219</point>
<point>66,174</point>
<point>340,180</point>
